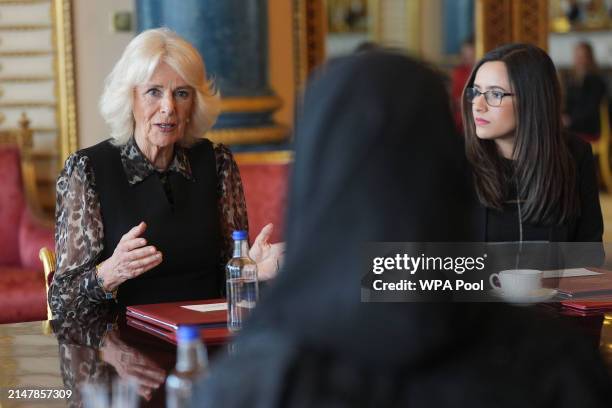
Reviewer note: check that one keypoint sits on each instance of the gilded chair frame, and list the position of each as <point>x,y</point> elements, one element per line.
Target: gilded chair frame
<point>47,257</point>
<point>601,147</point>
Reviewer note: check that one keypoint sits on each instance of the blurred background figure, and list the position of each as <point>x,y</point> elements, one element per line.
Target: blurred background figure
<point>377,160</point>
<point>584,91</point>
<point>460,75</point>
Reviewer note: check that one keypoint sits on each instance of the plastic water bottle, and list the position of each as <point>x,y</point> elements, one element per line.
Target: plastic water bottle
<point>191,363</point>
<point>242,288</point>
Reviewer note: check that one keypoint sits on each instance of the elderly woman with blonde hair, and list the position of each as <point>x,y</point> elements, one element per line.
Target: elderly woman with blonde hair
<point>146,216</point>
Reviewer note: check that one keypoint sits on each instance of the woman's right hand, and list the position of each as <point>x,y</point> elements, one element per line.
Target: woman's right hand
<point>130,259</point>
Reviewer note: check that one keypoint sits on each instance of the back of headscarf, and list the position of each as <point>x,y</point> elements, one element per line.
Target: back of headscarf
<point>376,160</point>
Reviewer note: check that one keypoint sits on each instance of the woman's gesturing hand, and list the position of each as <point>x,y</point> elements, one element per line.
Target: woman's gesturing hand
<point>130,259</point>
<point>269,257</point>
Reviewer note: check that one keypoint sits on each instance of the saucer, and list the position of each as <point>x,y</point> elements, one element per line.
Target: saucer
<point>535,296</point>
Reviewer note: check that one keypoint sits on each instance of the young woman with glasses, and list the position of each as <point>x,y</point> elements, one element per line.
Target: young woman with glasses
<point>533,181</point>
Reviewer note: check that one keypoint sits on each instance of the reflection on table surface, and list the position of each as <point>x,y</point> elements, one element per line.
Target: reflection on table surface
<point>98,347</point>
<point>62,354</point>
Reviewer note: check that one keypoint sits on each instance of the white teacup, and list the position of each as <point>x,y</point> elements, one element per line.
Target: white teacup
<point>517,282</point>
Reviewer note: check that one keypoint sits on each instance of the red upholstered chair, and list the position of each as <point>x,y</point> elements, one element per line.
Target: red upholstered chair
<point>264,178</point>
<point>22,232</point>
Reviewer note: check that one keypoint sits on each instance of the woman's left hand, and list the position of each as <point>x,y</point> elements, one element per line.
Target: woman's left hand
<point>269,257</point>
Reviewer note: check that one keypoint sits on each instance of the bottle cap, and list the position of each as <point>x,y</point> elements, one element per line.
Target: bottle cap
<point>239,235</point>
<point>187,333</point>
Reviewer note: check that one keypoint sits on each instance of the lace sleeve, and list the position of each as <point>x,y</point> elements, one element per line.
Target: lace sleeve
<point>79,238</point>
<point>232,205</point>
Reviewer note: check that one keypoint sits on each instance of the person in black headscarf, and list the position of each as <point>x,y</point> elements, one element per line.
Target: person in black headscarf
<point>376,160</point>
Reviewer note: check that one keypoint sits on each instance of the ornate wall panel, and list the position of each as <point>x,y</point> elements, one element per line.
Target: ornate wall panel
<point>309,37</point>
<point>504,21</point>
<point>530,22</point>
<point>36,78</point>
<point>493,24</point>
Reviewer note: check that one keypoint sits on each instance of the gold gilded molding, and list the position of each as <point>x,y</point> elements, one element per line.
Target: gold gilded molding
<point>27,104</point>
<point>42,78</point>
<point>33,53</point>
<point>273,157</point>
<point>504,21</point>
<point>20,2</point>
<point>493,24</point>
<point>605,339</point>
<point>269,134</point>
<point>251,104</point>
<point>530,22</point>
<point>25,27</point>
<point>66,112</point>
<point>310,30</point>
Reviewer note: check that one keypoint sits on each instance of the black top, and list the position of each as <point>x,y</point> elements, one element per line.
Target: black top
<point>182,219</point>
<point>504,226</point>
<point>377,160</point>
<point>582,100</point>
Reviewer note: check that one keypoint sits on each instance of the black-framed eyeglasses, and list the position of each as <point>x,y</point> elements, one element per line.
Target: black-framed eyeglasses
<point>492,96</point>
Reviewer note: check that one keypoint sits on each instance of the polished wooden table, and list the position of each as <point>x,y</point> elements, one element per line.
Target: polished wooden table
<point>60,355</point>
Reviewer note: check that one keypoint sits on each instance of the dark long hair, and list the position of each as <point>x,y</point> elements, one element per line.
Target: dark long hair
<point>544,170</point>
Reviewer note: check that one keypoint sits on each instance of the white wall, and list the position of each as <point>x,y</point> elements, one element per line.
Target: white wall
<point>97,49</point>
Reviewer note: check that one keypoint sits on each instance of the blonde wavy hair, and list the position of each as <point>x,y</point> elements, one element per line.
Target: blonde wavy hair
<point>136,66</point>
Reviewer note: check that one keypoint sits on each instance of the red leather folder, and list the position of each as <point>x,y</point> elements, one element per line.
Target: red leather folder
<point>582,286</point>
<point>210,336</point>
<point>598,304</point>
<point>168,316</point>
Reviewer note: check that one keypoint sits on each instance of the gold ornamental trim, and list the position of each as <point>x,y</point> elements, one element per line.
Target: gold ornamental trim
<point>21,2</point>
<point>42,78</point>
<point>26,104</point>
<point>33,53</point>
<point>274,157</point>
<point>25,27</point>
<point>251,104</point>
<point>259,135</point>
<point>310,31</point>
<point>65,87</point>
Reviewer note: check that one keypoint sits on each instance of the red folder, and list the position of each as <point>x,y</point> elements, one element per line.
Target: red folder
<point>210,336</point>
<point>597,304</point>
<point>168,316</point>
<point>582,286</point>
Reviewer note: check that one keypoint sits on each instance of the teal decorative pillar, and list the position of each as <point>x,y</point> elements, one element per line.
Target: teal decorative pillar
<point>232,36</point>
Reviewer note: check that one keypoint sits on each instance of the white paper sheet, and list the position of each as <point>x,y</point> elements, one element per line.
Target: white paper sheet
<point>210,307</point>
<point>569,273</point>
